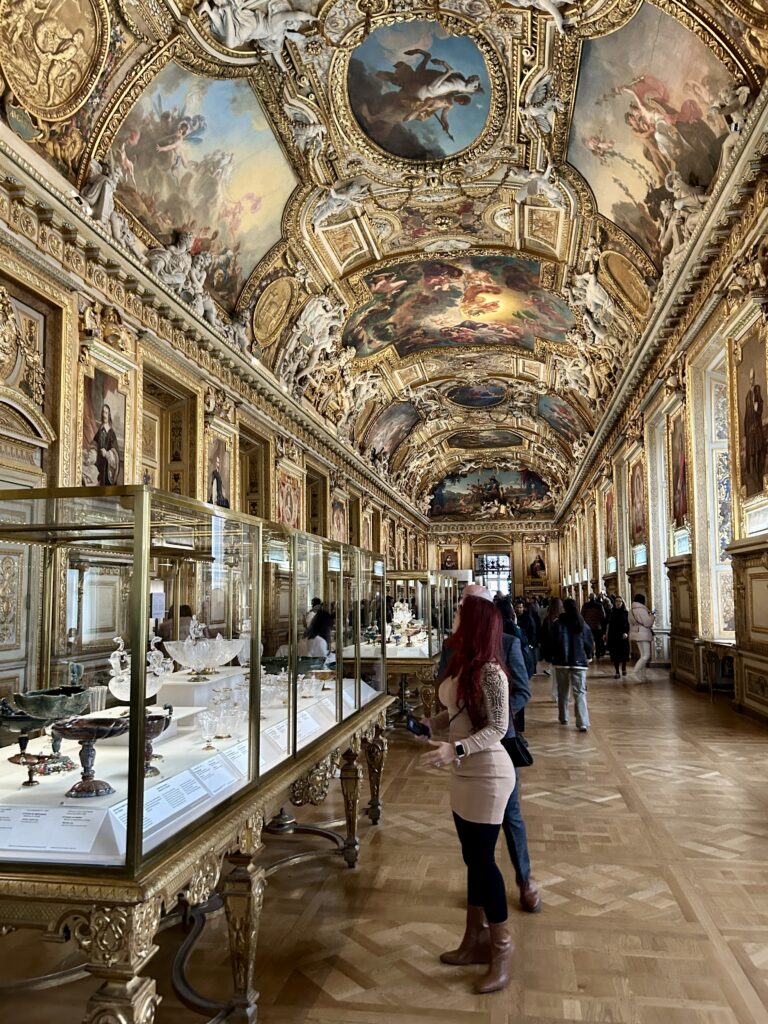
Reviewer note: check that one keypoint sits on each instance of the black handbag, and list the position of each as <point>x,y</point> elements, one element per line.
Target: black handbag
<point>517,748</point>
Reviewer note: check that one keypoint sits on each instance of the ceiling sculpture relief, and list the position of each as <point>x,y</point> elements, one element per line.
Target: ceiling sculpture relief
<point>442,225</point>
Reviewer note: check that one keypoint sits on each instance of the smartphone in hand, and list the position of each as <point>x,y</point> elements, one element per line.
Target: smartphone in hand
<point>413,725</point>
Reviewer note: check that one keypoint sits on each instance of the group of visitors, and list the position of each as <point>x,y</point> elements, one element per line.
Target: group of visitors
<point>485,670</point>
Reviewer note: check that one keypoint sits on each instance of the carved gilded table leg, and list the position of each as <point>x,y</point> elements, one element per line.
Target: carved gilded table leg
<point>428,699</point>
<point>119,943</point>
<point>375,756</point>
<point>243,894</point>
<point>351,776</point>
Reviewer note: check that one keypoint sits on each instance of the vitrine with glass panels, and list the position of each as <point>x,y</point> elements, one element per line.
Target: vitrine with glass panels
<point>158,659</point>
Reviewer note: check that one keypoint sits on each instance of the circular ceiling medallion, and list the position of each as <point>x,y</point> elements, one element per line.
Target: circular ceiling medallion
<point>419,92</point>
<point>477,396</point>
<point>271,309</point>
<point>53,54</point>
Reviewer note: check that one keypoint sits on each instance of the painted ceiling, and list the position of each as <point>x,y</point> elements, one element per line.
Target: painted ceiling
<point>443,225</point>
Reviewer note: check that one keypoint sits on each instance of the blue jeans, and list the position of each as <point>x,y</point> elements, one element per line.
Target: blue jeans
<point>572,679</point>
<point>514,833</point>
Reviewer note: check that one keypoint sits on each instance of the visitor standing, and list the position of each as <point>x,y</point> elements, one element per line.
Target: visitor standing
<point>554,611</point>
<point>571,652</point>
<point>593,614</point>
<point>618,636</point>
<point>641,620</point>
<point>476,696</point>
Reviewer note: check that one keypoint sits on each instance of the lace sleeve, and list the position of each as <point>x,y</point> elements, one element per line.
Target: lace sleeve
<point>496,696</point>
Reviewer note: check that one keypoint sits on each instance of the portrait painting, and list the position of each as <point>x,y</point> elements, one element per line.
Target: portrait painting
<point>678,469</point>
<point>484,438</point>
<point>367,532</point>
<point>561,416</point>
<point>218,490</point>
<point>417,91</point>
<point>197,155</point>
<point>477,396</point>
<point>288,489</point>
<point>390,429</point>
<point>487,493</point>
<point>449,558</point>
<point>103,440</point>
<point>339,520</point>
<point>462,302</point>
<point>752,413</point>
<point>535,562</point>
<point>610,524</point>
<point>637,524</point>
<point>644,132</point>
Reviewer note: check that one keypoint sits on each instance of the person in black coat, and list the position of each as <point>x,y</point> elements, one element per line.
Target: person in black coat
<point>618,636</point>
<point>571,654</point>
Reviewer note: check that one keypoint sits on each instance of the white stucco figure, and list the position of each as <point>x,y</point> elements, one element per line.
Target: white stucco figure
<point>269,25</point>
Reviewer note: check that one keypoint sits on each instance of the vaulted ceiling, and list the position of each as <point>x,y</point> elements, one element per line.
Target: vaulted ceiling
<point>443,225</point>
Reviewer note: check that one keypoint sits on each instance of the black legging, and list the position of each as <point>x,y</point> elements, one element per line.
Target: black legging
<point>485,885</point>
<point>620,664</point>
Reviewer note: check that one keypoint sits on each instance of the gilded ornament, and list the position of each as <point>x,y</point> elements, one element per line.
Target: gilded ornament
<point>10,335</point>
<point>52,54</point>
<point>271,310</point>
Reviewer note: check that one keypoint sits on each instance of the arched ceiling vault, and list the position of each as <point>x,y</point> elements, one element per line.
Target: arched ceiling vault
<point>444,225</point>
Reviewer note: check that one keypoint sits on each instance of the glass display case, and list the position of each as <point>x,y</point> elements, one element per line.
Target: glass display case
<point>418,618</point>
<point>173,654</point>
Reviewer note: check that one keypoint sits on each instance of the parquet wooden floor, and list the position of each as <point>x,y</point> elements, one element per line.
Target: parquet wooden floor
<point>648,835</point>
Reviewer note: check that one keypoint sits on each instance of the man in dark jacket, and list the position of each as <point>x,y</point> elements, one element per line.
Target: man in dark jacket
<point>529,625</point>
<point>593,614</point>
<point>519,695</point>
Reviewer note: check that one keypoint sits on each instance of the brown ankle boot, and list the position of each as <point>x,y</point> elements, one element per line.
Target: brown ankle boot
<point>502,948</point>
<point>475,947</point>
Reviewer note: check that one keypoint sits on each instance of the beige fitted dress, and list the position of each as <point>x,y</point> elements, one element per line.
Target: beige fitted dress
<point>483,780</point>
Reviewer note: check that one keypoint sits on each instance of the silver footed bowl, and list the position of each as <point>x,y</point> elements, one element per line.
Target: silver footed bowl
<point>54,704</point>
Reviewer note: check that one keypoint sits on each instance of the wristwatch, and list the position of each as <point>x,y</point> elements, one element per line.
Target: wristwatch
<point>458,746</point>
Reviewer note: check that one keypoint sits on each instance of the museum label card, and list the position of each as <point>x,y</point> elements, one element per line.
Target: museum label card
<point>54,829</point>
<point>214,774</point>
<point>238,757</point>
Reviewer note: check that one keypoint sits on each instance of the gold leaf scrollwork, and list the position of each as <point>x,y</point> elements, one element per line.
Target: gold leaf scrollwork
<point>313,787</point>
<point>204,880</point>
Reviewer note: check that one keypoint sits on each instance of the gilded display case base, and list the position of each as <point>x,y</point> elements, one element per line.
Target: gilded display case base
<point>114,920</point>
<point>375,749</point>
<point>351,778</point>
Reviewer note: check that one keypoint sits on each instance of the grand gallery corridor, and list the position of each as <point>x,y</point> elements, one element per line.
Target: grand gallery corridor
<point>649,836</point>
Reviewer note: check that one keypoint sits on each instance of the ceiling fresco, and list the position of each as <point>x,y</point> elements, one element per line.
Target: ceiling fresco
<point>417,91</point>
<point>197,155</point>
<point>489,493</point>
<point>480,300</point>
<point>644,133</point>
<point>443,226</point>
<point>489,438</point>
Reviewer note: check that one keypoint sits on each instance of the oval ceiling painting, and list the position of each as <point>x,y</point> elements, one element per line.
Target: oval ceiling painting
<point>418,92</point>
<point>477,396</point>
<point>484,439</point>
<point>469,301</point>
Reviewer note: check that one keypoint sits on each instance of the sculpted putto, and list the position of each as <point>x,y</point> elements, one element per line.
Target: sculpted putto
<point>269,25</point>
<point>541,183</point>
<point>547,6</point>
<point>314,334</point>
<point>539,110</point>
<point>343,196</point>
<point>307,132</point>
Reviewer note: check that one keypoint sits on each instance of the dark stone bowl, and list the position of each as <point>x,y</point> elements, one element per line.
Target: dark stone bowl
<point>52,705</point>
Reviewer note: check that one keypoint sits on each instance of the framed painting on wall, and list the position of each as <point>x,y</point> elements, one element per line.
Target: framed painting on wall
<point>103,431</point>
<point>749,366</point>
<point>339,529</point>
<point>637,521</point>
<point>678,468</point>
<point>289,489</point>
<point>449,558</point>
<point>536,562</point>
<point>610,523</point>
<point>218,487</point>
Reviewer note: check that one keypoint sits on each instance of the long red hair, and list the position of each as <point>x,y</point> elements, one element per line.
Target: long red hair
<point>475,643</point>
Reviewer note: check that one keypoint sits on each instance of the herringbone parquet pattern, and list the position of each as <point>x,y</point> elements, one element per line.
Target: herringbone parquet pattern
<point>649,836</point>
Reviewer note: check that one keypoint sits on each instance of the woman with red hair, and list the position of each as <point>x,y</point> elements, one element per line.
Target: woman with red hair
<point>475,691</point>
